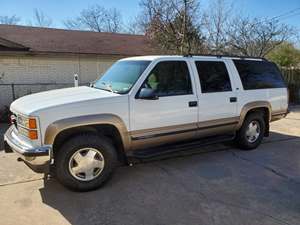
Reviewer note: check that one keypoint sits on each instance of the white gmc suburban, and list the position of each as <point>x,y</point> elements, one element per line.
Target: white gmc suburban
<point>143,105</point>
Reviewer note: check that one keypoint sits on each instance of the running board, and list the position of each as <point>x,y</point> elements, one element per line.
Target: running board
<point>170,149</point>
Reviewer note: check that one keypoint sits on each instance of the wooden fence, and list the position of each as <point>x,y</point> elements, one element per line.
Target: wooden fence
<point>292,79</point>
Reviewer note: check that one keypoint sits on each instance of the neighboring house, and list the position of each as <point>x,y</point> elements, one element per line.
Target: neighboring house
<point>44,55</point>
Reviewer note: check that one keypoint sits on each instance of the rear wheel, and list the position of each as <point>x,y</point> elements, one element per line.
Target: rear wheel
<point>85,162</point>
<point>252,131</point>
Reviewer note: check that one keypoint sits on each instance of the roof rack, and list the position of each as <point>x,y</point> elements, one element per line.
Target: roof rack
<point>229,56</point>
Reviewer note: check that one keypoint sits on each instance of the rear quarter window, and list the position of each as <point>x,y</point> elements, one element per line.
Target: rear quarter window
<point>259,74</point>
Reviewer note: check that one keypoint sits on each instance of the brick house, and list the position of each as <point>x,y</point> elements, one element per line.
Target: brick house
<point>44,55</point>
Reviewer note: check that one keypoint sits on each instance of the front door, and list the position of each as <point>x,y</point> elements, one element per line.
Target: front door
<point>173,115</point>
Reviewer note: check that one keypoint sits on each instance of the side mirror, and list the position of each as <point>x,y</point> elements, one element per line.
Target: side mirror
<point>147,94</point>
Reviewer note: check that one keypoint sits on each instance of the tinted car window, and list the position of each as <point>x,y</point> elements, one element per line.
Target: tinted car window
<point>170,78</point>
<point>259,74</point>
<point>213,76</point>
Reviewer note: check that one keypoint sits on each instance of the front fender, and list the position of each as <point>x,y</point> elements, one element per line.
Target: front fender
<point>60,125</point>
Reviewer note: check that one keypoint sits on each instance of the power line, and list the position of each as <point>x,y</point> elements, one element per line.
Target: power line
<point>285,14</point>
<point>289,16</point>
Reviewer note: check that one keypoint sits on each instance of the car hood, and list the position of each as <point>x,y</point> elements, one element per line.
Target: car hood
<point>30,104</point>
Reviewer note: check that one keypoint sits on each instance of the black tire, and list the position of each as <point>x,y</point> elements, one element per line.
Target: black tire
<point>63,157</point>
<point>241,137</point>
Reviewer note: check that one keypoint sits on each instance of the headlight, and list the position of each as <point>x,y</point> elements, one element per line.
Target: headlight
<point>26,122</point>
<point>27,126</point>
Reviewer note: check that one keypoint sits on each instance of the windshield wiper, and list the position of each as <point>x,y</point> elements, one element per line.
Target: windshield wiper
<point>104,89</point>
<point>107,87</point>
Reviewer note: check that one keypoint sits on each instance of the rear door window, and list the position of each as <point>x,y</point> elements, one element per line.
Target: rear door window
<point>213,76</point>
<point>259,74</point>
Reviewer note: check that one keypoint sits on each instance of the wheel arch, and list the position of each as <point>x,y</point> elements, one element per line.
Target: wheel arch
<point>256,106</point>
<point>101,124</point>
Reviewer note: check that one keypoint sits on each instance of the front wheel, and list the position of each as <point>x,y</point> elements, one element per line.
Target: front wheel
<point>85,162</point>
<point>252,131</point>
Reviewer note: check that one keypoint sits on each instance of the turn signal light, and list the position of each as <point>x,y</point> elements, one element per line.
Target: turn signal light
<point>32,134</point>
<point>32,123</point>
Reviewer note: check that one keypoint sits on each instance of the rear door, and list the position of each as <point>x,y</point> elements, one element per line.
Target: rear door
<point>217,100</point>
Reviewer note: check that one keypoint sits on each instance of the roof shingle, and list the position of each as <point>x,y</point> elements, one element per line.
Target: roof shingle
<point>49,40</point>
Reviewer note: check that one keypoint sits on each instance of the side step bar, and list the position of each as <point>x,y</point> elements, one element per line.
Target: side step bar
<point>166,150</point>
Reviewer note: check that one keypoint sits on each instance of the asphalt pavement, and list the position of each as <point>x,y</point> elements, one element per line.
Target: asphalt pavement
<point>222,186</point>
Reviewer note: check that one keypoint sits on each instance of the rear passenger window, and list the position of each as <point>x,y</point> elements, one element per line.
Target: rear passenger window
<point>259,74</point>
<point>213,76</point>
<point>170,78</point>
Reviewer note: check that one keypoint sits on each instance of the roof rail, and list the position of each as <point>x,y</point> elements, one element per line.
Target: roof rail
<point>229,56</point>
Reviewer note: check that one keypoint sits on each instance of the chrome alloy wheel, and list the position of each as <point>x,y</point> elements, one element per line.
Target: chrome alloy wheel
<point>253,131</point>
<point>86,164</point>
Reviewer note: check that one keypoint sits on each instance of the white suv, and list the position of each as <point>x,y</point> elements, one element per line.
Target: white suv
<point>141,107</point>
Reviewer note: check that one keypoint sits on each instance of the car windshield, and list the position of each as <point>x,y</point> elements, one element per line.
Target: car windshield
<point>121,76</point>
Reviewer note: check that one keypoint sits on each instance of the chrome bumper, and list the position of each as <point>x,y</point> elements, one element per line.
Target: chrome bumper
<point>37,158</point>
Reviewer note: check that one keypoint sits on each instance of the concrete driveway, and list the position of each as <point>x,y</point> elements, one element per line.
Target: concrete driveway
<point>222,186</point>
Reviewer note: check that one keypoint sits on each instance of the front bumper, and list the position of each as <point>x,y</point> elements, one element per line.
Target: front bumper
<point>37,158</point>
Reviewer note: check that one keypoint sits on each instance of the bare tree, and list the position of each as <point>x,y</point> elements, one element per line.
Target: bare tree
<point>217,21</point>
<point>173,25</point>
<point>10,20</point>
<point>257,37</point>
<point>41,20</point>
<point>97,18</point>
<point>179,26</point>
<point>133,26</point>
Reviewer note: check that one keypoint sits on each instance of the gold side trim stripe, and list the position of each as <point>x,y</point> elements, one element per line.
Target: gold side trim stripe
<point>181,131</point>
<point>162,134</point>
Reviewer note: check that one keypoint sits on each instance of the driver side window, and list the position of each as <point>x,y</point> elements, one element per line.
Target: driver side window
<point>169,78</point>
